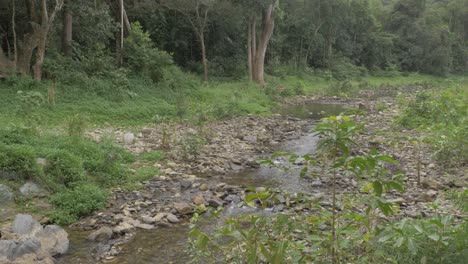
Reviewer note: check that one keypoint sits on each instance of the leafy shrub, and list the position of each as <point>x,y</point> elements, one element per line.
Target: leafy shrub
<point>77,202</point>
<point>142,56</point>
<point>18,160</point>
<point>342,69</point>
<point>64,168</point>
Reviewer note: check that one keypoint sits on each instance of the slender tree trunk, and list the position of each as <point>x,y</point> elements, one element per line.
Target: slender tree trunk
<point>205,63</point>
<point>249,49</point>
<point>13,28</point>
<point>253,25</point>
<point>67,33</point>
<point>268,26</point>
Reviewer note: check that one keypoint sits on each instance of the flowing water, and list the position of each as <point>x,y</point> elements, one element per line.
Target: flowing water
<point>167,245</point>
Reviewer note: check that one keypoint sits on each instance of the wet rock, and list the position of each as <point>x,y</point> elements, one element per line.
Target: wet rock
<point>183,208</point>
<point>30,189</point>
<point>6,195</point>
<point>102,234</point>
<point>172,218</point>
<point>25,224</point>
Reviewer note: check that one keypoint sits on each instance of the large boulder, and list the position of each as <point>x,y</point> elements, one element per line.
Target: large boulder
<point>6,195</point>
<point>25,225</point>
<point>27,242</point>
<point>54,240</point>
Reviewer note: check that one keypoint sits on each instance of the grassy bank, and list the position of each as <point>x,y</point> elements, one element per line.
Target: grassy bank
<point>138,102</point>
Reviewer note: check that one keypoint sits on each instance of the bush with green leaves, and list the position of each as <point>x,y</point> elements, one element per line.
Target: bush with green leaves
<point>81,200</point>
<point>64,168</point>
<point>18,162</point>
<point>142,56</point>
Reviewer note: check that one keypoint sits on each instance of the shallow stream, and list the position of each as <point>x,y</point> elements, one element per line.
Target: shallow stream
<point>167,245</point>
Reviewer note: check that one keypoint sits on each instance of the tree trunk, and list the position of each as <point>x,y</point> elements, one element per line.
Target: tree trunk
<point>40,54</point>
<point>254,44</point>
<point>13,28</point>
<point>268,26</point>
<point>249,49</point>
<point>205,63</point>
<point>67,33</point>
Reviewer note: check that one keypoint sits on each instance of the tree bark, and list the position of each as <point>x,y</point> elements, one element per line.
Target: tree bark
<point>249,49</point>
<point>13,29</point>
<point>67,33</point>
<point>205,63</point>
<point>254,44</point>
<point>268,25</point>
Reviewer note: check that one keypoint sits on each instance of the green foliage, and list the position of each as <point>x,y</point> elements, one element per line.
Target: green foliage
<point>64,168</point>
<point>79,201</point>
<point>18,162</point>
<point>142,57</point>
<point>443,114</point>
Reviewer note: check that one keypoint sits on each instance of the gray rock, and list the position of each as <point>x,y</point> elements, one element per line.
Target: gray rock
<point>26,246</point>
<point>145,226</point>
<point>30,189</point>
<point>185,185</point>
<point>147,219</point>
<point>123,227</point>
<point>129,138</point>
<point>7,248</point>
<point>317,183</point>
<point>100,235</point>
<point>183,208</point>
<point>54,240</point>
<point>6,195</point>
<point>25,225</point>
<point>215,202</point>
<point>172,218</point>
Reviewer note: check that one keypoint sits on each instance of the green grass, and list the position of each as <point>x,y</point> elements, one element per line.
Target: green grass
<point>90,99</point>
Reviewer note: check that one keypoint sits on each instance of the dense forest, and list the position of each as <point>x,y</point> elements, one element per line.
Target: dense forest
<point>233,39</point>
<point>233,131</point>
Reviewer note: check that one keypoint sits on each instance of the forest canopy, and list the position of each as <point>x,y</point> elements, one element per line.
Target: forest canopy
<point>232,38</point>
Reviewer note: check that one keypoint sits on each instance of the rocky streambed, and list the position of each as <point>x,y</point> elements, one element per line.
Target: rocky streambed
<point>151,224</point>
